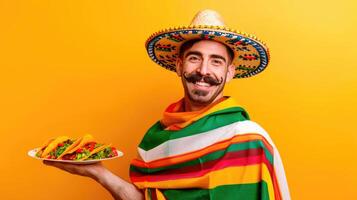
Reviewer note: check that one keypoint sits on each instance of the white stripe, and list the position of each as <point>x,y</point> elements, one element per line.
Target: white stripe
<point>278,167</point>
<point>280,175</point>
<point>196,142</point>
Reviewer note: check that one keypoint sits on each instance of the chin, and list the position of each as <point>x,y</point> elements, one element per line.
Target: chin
<point>201,99</point>
<point>201,96</point>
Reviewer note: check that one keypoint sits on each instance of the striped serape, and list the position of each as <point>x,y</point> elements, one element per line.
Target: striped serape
<point>215,153</point>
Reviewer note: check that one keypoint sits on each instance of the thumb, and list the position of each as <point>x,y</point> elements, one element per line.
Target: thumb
<point>46,162</point>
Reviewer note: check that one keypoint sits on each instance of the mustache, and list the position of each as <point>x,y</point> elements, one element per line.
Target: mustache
<point>195,77</point>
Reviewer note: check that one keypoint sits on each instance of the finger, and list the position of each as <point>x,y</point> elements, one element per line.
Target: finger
<point>63,166</point>
<point>58,165</point>
<point>46,162</point>
<point>52,163</point>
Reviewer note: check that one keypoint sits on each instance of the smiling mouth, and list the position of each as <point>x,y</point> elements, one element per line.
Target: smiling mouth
<point>198,79</point>
<point>203,84</point>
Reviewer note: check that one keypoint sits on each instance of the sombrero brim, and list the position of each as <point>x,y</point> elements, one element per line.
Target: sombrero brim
<point>251,56</point>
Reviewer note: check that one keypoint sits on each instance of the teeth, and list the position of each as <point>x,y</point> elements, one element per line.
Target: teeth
<point>202,84</point>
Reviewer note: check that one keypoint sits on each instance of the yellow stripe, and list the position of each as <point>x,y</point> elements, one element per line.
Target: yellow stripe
<point>230,102</point>
<point>241,175</point>
<point>159,195</point>
<point>182,119</point>
<point>147,196</point>
<point>268,179</point>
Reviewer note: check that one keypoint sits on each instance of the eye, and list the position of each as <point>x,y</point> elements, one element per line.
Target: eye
<point>217,62</point>
<point>193,58</point>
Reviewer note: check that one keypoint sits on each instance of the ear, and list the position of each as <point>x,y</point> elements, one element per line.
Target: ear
<point>179,67</point>
<point>230,72</point>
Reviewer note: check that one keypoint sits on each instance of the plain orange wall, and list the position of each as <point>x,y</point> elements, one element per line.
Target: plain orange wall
<point>76,67</point>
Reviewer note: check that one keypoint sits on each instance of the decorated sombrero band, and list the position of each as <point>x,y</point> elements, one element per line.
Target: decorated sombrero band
<point>251,55</point>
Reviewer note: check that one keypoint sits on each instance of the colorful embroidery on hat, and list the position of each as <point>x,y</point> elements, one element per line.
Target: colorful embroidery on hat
<point>237,41</point>
<point>176,37</point>
<point>168,58</point>
<point>244,48</point>
<point>206,36</point>
<point>243,67</point>
<point>249,57</point>
<point>165,47</point>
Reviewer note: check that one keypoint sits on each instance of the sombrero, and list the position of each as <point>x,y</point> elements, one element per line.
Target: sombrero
<point>251,55</point>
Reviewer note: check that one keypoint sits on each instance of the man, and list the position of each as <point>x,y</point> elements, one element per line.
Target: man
<point>205,146</point>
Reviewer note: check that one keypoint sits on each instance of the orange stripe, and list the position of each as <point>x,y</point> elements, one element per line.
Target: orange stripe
<point>196,154</point>
<point>174,120</point>
<point>244,175</point>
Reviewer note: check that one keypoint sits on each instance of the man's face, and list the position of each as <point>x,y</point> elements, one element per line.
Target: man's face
<point>204,69</point>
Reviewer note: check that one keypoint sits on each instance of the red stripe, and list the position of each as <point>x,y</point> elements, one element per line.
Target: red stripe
<point>153,194</point>
<point>141,163</point>
<point>210,164</point>
<point>277,193</point>
<point>229,160</point>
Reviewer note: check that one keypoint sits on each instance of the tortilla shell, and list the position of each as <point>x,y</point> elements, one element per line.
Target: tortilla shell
<point>96,150</point>
<point>75,143</point>
<point>53,145</point>
<point>42,147</point>
<point>85,139</point>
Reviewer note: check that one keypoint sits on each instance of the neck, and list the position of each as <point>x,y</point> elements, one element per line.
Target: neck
<point>191,106</point>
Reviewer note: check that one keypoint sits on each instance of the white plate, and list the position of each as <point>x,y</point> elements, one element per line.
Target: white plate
<point>32,153</point>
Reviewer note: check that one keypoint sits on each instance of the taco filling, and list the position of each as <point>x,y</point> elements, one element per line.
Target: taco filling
<point>42,149</point>
<point>61,147</point>
<point>82,152</point>
<point>108,152</point>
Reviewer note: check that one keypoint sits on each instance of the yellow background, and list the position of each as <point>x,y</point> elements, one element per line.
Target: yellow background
<point>76,67</point>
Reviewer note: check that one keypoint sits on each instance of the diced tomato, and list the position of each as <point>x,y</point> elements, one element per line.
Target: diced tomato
<point>114,151</point>
<point>72,157</point>
<point>49,156</point>
<point>90,146</point>
<point>65,157</point>
<point>60,144</point>
<point>69,157</point>
<point>80,150</point>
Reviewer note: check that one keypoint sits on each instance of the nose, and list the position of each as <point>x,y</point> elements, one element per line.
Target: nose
<point>203,68</point>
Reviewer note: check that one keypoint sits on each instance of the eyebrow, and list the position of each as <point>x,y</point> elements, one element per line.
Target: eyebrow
<point>219,57</point>
<point>197,53</point>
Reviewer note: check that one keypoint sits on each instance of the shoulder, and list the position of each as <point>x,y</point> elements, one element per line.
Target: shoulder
<point>252,127</point>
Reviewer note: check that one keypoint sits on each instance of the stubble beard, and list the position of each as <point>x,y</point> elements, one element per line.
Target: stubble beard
<point>197,96</point>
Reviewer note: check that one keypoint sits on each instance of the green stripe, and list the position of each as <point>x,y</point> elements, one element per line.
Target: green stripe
<point>149,193</point>
<point>254,144</point>
<point>251,191</point>
<point>156,135</point>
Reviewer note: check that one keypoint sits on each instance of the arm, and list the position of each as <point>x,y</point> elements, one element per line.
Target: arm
<point>118,188</point>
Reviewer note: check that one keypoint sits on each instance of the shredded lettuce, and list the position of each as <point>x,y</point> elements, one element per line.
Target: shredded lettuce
<point>85,153</point>
<point>101,154</point>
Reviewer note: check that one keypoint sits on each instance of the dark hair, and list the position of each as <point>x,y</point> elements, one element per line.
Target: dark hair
<point>188,44</point>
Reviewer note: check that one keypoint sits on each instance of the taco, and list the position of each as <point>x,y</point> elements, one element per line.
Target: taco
<point>84,149</point>
<point>40,150</point>
<point>58,147</point>
<point>106,151</point>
